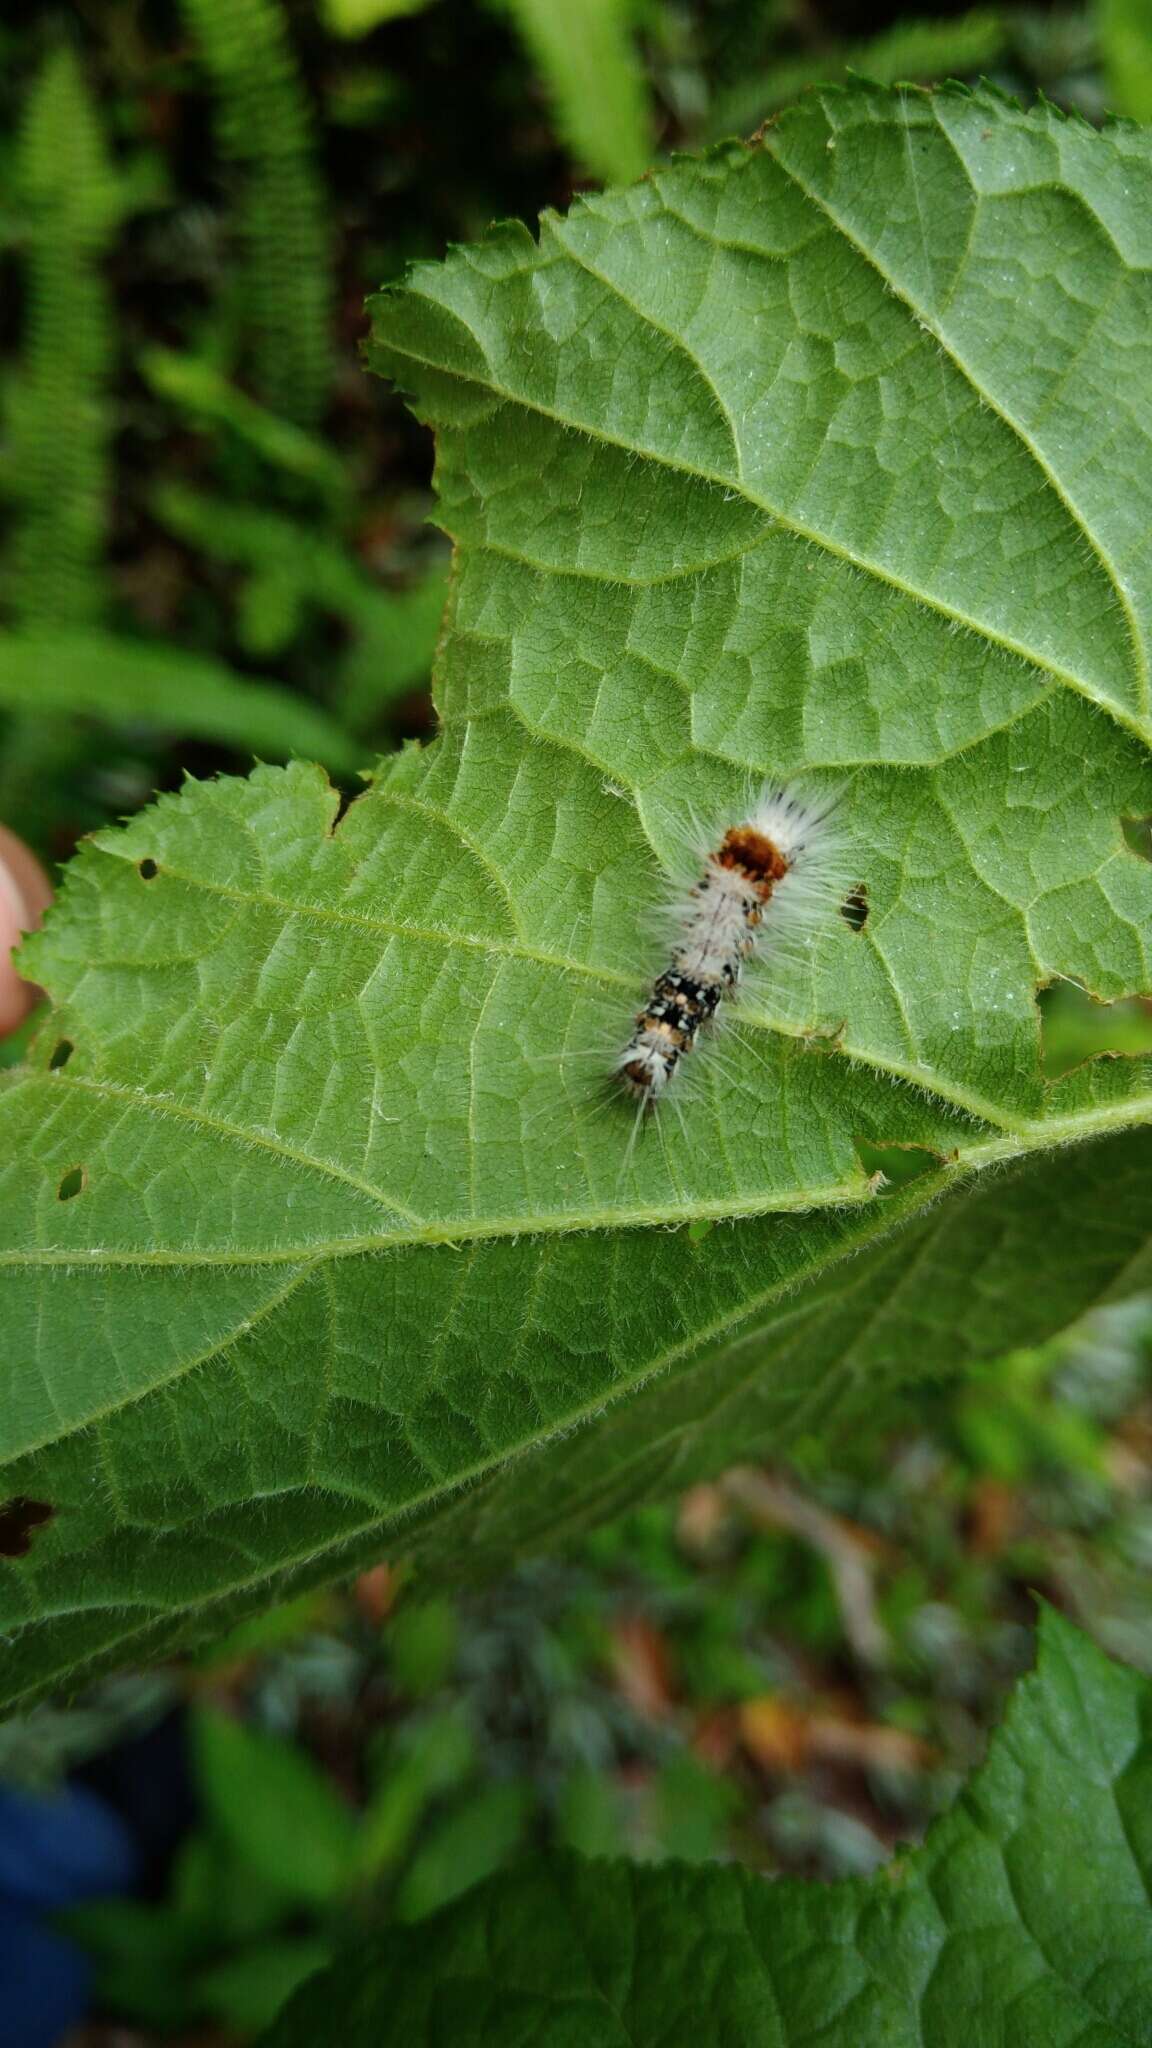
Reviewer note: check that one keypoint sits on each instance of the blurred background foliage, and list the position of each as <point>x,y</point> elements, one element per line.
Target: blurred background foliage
<point>216,543</point>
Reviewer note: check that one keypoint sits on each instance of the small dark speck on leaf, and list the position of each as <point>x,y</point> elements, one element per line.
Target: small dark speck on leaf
<point>146,869</point>
<point>18,1518</point>
<point>61,1054</point>
<point>72,1183</point>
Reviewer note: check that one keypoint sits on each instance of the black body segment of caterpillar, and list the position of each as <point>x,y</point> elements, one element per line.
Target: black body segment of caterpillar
<point>764,874</point>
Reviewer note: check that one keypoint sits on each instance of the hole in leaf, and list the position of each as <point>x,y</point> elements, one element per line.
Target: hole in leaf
<point>345,798</point>
<point>854,909</point>
<point>1138,836</point>
<point>72,1183</point>
<point>897,1164</point>
<point>18,1518</point>
<point>1076,1026</point>
<point>62,1052</point>
<point>146,869</point>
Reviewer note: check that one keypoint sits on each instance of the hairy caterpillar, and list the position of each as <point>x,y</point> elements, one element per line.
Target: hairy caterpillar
<point>766,882</point>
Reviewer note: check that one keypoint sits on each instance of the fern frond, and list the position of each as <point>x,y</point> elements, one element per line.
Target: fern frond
<point>265,133</point>
<point>58,418</point>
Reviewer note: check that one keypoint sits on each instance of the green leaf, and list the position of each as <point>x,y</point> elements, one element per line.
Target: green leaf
<point>218,1896</point>
<point>141,1953</point>
<point>248,1989</point>
<point>467,1844</point>
<point>273,1808</point>
<point>394,631</point>
<point>197,387</point>
<point>426,1759</point>
<point>1024,1918</point>
<point>99,675</point>
<point>827,458</point>
<point>357,17</point>
<point>587,56</point>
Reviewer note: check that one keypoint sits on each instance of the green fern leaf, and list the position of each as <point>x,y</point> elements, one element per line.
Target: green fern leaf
<point>59,419</point>
<point>265,134</point>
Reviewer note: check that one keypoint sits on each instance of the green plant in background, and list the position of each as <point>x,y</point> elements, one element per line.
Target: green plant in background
<point>968,46</point>
<point>587,55</point>
<point>283,291</point>
<point>57,405</point>
<point>275,1850</point>
<point>290,569</point>
<point>1125,30</point>
<point>54,677</point>
<point>59,665</point>
<point>202,395</point>
<point>59,420</point>
<point>357,17</point>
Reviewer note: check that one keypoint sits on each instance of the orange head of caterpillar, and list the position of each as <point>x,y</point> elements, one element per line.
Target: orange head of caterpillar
<point>754,856</point>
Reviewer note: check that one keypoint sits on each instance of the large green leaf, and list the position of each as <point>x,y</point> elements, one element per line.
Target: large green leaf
<point>1025,1918</point>
<point>829,457</point>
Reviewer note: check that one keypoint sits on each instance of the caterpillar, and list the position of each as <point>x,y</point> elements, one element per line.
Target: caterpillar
<point>768,879</point>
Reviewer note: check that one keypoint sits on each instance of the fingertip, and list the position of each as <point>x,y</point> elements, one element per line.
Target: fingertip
<point>25,893</point>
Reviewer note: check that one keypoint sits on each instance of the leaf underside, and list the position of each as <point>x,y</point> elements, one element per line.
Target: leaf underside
<point>826,459</point>
<point>1024,1918</point>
